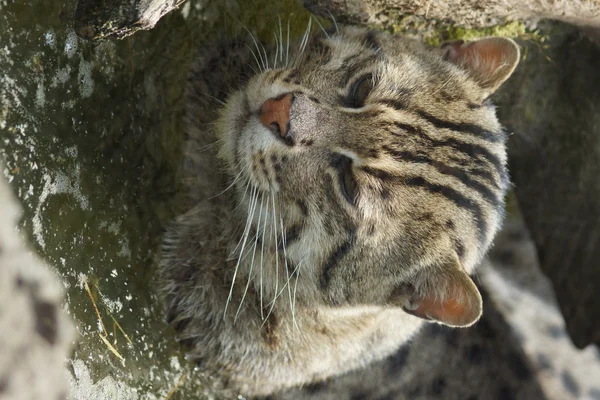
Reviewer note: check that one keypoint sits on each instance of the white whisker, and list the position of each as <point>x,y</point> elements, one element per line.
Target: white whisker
<point>297,272</point>
<point>239,205</point>
<point>287,47</point>
<point>255,59</point>
<point>262,250</point>
<point>305,40</point>
<point>257,49</point>
<point>281,42</point>
<point>265,53</point>
<point>287,272</point>
<point>323,29</point>
<point>337,28</point>
<point>238,176</point>
<point>276,257</point>
<point>276,50</point>
<point>253,254</point>
<point>251,209</point>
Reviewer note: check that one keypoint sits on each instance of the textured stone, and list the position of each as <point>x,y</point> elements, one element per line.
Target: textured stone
<point>552,104</point>
<point>471,13</point>
<point>36,335</point>
<point>98,19</point>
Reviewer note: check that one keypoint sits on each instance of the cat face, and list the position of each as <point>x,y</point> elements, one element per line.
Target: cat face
<point>371,171</point>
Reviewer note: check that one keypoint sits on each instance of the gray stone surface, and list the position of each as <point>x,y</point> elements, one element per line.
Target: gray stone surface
<point>469,13</point>
<point>96,19</point>
<point>90,137</point>
<point>35,334</point>
<point>552,104</point>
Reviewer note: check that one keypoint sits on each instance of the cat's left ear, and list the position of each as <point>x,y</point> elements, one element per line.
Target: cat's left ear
<point>446,295</point>
<point>490,61</point>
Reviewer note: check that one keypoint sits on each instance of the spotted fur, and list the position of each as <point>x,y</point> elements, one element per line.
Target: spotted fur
<point>276,276</point>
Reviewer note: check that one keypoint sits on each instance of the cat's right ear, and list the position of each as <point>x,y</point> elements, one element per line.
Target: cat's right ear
<point>489,61</point>
<point>444,294</point>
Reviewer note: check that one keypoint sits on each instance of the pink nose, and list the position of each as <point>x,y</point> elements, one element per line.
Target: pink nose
<point>275,114</point>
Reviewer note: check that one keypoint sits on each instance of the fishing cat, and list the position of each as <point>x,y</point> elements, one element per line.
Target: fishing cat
<point>341,198</point>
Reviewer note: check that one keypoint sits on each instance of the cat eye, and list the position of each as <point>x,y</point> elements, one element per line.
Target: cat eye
<point>360,91</point>
<point>348,185</point>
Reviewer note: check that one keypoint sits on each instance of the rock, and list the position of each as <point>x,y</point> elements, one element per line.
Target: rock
<point>36,334</point>
<point>552,104</point>
<point>98,19</point>
<point>469,13</point>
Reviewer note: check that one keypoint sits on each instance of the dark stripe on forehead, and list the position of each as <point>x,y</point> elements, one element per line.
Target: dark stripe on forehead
<point>455,197</point>
<point>470,149</point>
<point>460,127</point>
<point>476,168</point>
<point>445,169</point>
<point>334,259</point>
<point>371,41</point>
<point>321,48</point>
<point>276,75</point>
<point>451,194</point>
<point>459,247</point>
<point>463,127</point>
<point>354,66</point>
<point>378,173</point>
<point>293,76</point>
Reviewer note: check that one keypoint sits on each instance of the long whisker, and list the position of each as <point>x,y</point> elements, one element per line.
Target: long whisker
<point>337,28</point>
<point>305,40</point>
<point>297,272</point>
<point>276,257</point>
<point>287,272</point>
<point>257,49</point>
<point>265,53</point>
<point>281,42</point>
<point>251,261</point>
<point>276,50</point>
<point>255,59</point>
<point>287,48</point>
<point>262,250</point>
<point>252,208</point>
<point>239,205</point>
<point>286,284</point>
<point>323,29</point>
<point>238,176</point>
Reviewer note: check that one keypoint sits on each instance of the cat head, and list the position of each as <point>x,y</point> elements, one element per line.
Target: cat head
<point>371,170</point>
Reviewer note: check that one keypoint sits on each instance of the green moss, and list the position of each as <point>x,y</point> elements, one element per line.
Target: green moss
<point>264,17</point>
<point>512,29</point>
<point>435,33</point>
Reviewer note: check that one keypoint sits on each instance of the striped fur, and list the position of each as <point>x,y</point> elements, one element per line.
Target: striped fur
<point>281,280</point>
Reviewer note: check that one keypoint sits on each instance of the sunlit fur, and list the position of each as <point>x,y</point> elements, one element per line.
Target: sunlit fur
<point>273,278</point>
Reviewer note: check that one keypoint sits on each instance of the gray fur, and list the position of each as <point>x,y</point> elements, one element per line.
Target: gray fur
<point>265,314</point>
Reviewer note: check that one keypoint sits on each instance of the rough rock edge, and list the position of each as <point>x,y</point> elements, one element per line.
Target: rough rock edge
<point>36,335</point>
<point>468,13</point>
<point>96,19</point>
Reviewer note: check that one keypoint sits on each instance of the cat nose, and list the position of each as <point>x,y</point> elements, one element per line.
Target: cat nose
<point>275,114</point>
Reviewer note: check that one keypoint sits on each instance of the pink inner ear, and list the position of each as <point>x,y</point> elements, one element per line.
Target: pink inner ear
<point>483,57</point>
<point>489,61</point>
<point>449,311</point>
<point>461,305</point>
